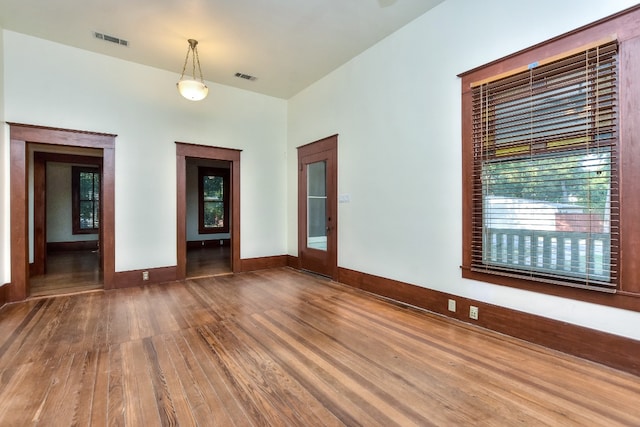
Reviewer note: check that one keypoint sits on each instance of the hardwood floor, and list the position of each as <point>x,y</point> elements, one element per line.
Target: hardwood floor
<point>68,272</point>
<point>208,261</point>
<point>280,347</point>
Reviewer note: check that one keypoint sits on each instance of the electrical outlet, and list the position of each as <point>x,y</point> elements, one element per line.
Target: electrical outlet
<point>145,275</point>
<point>452,305</point>
<point>473,312</point>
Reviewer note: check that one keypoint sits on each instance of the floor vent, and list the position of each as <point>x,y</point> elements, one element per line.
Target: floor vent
<point>111,39</point>
<point>245,76</point>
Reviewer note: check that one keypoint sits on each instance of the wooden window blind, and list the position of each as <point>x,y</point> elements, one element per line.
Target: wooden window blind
<point>545,171</point>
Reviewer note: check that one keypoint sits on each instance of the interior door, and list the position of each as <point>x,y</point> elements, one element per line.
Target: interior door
<point>317,207</point>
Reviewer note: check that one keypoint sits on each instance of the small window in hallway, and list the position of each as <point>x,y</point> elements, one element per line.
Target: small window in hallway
<point>213,200</point>
<point>85,184</point>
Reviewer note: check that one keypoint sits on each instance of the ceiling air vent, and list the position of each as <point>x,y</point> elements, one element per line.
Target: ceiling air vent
<point>111,39</point>
<point>245,76</point>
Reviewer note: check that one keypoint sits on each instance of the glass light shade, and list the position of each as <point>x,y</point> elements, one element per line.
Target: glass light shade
<point>193,90</point>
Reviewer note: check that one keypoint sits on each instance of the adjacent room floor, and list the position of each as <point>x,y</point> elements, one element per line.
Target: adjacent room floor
<point>280,347</point>
<point>68,272</point>
<point>208,261</point>
<point>79,271</point>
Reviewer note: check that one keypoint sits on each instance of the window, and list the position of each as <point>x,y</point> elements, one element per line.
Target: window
<point>551,166</point>
<point>545,144</point>
<point>85,185</point>
<point>213,200</point>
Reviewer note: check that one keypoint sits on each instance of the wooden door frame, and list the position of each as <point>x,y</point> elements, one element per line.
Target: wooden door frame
<point>326,145</point>
<point>184,150</point>
<point>20,136</point>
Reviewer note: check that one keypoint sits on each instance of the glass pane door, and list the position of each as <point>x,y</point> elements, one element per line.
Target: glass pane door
<point>317,206</point>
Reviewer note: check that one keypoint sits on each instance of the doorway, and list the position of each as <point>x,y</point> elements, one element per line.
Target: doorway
<point>208,217</point>
<point>317,207</point>
<point>208,229</point>
<point>66,221</point>
<point>21,136</point>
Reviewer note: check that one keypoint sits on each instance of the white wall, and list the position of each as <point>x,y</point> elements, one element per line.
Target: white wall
<point>54,85</point>
<point>396,108</point>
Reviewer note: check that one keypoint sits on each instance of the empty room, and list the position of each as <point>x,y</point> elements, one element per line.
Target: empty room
<point>320,212</point>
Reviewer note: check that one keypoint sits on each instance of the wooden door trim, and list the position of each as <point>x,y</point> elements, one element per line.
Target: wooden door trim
<point>20,136</point>
<point>19,229</point>
<point>184,150</point>
<point>324,145</point>
<point>39,215</point>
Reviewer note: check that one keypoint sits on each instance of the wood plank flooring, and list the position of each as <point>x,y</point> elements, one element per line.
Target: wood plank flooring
<point>282,348</point>
<point>68,272</point>
<point>208,261</point>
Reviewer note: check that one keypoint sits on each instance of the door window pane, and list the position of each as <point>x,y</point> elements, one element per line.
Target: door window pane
<point>317,206</point>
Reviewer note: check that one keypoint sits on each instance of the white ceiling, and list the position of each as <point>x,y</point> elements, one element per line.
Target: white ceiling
<point>286,44</point>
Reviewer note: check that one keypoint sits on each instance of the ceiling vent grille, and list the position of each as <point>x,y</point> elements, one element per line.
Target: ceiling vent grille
<point>112,39</point>
<point>245,76</point>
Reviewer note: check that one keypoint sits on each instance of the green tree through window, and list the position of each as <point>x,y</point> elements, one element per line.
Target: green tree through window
<point>213,199</point>
<point>582,179</point>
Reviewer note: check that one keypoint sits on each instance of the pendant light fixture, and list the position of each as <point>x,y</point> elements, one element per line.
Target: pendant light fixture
<point>191,88</point>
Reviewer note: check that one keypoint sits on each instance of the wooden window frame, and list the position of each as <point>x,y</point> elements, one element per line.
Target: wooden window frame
<point>212,171</point>
<point>75,206</point>
<point>623,27</point>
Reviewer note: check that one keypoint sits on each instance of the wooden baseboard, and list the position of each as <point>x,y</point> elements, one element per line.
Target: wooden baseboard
<point>133,278</point>
<point>293,262</point>
<point>195,244</point>
<point>601,347</point>
<point>252,264</point>
<point>86,245</point>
